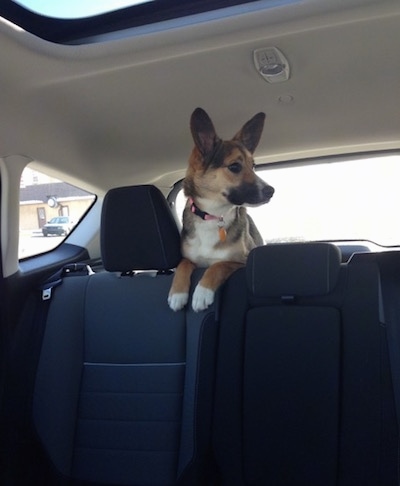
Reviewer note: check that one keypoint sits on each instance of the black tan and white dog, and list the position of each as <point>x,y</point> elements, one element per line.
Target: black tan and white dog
<point>217,232</point>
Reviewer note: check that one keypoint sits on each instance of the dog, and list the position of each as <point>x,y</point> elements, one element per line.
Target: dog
<point>217,232</point>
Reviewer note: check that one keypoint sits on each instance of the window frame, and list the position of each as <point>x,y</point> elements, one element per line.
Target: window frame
<point>63,207</point>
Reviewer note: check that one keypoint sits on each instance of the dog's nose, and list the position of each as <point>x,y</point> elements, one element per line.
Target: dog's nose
<point>268,191</point>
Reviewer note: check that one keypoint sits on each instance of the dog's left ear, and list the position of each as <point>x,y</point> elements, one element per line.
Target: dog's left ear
<point>203,132</point>
<point>251,131</point>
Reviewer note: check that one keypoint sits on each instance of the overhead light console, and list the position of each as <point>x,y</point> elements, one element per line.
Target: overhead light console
<point>271,64</point>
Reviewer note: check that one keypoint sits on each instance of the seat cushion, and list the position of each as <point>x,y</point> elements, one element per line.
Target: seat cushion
<point>110,381</point>
<point>291,395</point>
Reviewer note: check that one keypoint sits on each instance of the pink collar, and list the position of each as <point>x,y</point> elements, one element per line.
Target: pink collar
<point>202,214</point>
<point>207,217</point>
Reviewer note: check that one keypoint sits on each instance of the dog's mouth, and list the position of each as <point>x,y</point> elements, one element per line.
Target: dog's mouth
<point>250,195</point>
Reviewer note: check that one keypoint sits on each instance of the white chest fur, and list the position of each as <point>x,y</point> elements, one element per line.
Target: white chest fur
<point>205,248</point>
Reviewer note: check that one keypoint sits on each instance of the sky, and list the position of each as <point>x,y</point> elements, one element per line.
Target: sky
<point>75,8</point>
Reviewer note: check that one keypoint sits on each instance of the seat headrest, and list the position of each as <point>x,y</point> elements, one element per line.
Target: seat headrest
<point>293,269</point>
<point>138,230</point>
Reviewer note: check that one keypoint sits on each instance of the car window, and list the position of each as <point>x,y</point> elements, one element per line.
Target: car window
<point>334,200</point>
<point>49,211</point>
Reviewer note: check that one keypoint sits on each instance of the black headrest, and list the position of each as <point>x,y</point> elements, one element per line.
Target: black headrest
<point>138,231</point>
<point>293,269</point>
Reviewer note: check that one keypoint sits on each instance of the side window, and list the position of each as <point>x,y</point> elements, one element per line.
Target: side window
<point>49,211</point>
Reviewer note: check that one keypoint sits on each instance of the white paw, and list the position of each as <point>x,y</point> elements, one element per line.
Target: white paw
<point>178,301</point>
<point>202,298</point>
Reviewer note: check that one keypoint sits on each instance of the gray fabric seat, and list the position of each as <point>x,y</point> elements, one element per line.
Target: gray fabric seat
<point>302,372</point>
<point>121,381</point>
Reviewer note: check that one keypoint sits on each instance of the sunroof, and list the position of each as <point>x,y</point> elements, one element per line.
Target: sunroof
<point>87,21</point>
<point>75,9</point>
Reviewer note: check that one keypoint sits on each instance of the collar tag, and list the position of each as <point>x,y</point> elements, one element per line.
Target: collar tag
<point>221,229</point>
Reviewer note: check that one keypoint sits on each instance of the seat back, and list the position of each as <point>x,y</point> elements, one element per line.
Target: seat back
<point>118,375</point>
<point>298,374</point>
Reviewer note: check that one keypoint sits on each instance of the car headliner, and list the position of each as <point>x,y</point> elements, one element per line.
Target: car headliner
<point>114,113</point>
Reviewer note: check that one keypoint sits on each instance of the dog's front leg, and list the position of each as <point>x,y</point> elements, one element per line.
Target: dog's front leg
<point>214,276</point>
<point>179,292</point>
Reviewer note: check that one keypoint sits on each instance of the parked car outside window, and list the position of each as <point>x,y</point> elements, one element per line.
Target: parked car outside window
<point>60,226</point>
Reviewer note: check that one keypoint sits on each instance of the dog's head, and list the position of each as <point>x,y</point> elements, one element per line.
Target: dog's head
<point>224,170</point>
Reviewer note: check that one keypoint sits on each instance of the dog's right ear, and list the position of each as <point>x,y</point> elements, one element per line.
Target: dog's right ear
<point>251,131</point>
<point>203,132</point>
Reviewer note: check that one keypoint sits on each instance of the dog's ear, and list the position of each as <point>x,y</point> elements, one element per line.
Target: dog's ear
<point>251,131</point>
<point>203,132</point>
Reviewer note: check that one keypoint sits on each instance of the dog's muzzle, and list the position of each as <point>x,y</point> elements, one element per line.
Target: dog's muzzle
<point>251,194</point>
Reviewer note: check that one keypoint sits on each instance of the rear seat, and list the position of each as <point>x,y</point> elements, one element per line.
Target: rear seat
<point>123,390</point>
<point>303,390</point>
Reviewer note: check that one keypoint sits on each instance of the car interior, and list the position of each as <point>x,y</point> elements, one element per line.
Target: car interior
<point>291,375</point>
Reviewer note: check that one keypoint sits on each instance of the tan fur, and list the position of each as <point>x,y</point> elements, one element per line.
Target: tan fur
<point>220,179</point>
<point>182,278</point>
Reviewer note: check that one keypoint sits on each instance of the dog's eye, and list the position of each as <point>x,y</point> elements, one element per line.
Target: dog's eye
<point>235,167</point>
